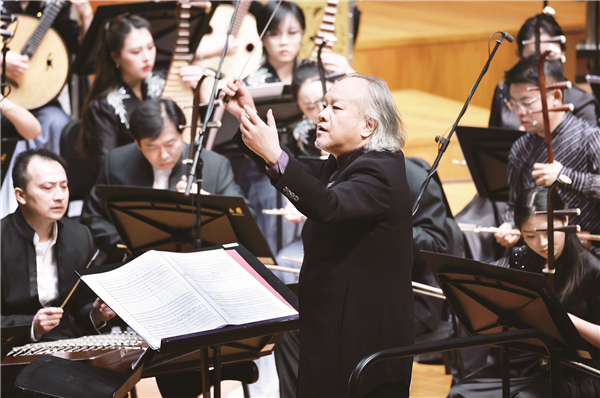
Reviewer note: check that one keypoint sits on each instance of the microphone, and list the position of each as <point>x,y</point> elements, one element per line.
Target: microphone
<point>508,37</point>
<point>6,33</point>
<point>8,18</point>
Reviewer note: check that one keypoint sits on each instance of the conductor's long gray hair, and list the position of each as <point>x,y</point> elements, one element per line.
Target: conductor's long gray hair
<point>379,106</point>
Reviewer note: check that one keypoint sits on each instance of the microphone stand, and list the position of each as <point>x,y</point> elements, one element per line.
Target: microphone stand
<point>197,164</point>
<point>5,51</point>
<point>444,142</point>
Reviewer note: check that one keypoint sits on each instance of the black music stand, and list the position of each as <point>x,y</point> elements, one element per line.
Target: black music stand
<point>497,305</point>
<point>13,336</point>
<point>163,22</point>
<point>228,344</point>
<point>164,220</point>
<point>286,113</point>
<point>486,153</point>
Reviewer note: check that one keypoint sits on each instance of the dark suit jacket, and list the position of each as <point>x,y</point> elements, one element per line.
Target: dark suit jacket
<point>20,302</point>
<point>355,288</point>
<point>434,229</point>
<point>127,166</point>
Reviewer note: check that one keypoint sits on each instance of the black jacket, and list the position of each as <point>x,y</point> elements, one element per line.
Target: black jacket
<point>20,302</point>
<point>127,166</point>
<point>355,288</point>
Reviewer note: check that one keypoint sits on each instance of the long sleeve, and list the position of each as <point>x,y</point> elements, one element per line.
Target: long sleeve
<point>101,127</point>
<point>586,183</point>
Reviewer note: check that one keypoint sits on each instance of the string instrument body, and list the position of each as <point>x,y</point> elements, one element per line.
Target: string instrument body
<point>48,63</point>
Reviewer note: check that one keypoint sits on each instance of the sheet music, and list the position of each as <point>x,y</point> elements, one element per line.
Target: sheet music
<point>163,294</point>
<point>239,297</point>
<point>154,299</point>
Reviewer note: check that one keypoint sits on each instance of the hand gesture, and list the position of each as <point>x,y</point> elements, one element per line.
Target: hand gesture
<point>46,319</point>
<point>239,97</point>
<point>546,173</point>
<point>335,63</point>
<point>507,236</point>
<point>101,312</point>
<point>182,185</point>
<point>261,138</point>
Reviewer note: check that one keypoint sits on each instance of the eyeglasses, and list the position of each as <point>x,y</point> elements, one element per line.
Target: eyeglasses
<point>525,105</point>
<point>277,36</point>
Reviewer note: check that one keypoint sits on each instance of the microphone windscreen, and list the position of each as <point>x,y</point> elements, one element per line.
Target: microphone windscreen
<point>508,37</point>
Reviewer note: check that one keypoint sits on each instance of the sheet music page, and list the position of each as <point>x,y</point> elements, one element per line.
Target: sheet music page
<point>239,297</point>
<point>154,299</point>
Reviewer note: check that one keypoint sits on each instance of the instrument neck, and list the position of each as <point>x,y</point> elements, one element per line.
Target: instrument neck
<point>48,17</point>
<point>327,29</point>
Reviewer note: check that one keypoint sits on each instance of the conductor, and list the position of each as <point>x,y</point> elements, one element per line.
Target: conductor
<point>355,285</point>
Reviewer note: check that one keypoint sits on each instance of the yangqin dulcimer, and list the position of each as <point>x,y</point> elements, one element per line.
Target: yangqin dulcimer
<point>116,351</point>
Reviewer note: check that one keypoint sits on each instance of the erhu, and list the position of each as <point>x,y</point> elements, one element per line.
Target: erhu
<point>549,269</point>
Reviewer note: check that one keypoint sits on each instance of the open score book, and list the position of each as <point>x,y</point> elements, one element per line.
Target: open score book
<point>164,294</point>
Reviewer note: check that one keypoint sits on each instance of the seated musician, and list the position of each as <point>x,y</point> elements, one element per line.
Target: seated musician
<point>51,116</point>
<point>585,105</point>
<point>41,250</point>
<point>576,145</point>
<point>153,161</point>
<point>124,79</point>
<point>577,279</point>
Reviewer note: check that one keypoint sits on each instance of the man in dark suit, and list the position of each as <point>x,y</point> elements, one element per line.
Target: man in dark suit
<point>41,250</point>
<point>355,285</point>
<point>153,161</point>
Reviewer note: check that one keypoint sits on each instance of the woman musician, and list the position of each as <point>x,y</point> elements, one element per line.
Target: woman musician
<point>577,280</point>
<point>124,78</point>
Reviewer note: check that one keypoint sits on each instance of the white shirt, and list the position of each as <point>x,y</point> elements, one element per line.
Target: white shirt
<point>161,178</point>
<point>47,272</point>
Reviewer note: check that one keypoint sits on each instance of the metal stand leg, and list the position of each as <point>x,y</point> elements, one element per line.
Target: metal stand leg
<point>505,372</point>
<point>205,372</point>
<point>217,371</point>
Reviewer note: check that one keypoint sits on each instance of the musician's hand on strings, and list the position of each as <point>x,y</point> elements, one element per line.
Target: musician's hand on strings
<point>191,75</point>
<point>46,319</point>
<point>336,63</point>
<point>182,185</point>
<point>101,312</point>
<point>240,97</point>
<point>507,236</point>
<point>292,214</point>
<point>546,173</point>
<point>16,64</point>
<point>261,138</point>
<point>213,47</point>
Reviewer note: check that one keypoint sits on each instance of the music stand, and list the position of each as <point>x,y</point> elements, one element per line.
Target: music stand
<point>486,153</point>
<point>498,305</point>
<point>153,219</point>
<point>231,343</point>
<point>163,23</point>
<point>285,111</point>
<point>13,336</point>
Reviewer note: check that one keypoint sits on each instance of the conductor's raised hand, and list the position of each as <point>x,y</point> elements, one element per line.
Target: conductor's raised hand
<point>239,96</point>
<point>261,138</point>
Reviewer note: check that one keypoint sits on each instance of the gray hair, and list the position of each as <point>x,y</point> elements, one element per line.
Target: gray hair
<point>379,106</point>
